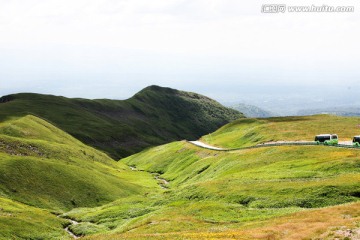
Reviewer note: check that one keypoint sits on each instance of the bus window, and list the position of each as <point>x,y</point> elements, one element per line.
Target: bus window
<point>356,141</point>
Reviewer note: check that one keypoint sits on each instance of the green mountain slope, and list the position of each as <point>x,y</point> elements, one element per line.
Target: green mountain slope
<point>268,177</point>
<point>249,132</point>
<point>286,192</point>
<point>43,166</point>
<point>225,192</point>
<point>151,117</point>
<point>19,221</point>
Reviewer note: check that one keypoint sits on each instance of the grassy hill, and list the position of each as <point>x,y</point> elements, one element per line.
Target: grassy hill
<point>44,170</point>
<point>249,132</point>
<point>20,221</point>
<point>43,166</point>
<point>287,192</point>
<point>337,222</point>
<point>151,117</point>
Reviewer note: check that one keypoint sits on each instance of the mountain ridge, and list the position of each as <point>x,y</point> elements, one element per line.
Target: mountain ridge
<point>252,111</point>
<point>153,116</point>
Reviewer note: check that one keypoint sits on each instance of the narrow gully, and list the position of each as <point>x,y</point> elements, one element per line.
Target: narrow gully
<point>161,181</point>
<point>69,231</point>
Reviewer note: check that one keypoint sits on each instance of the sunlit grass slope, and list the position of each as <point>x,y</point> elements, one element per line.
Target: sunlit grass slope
<point>216,194</point>
<point>326,223</point>
<point>249,132</point>
<point>286,192</point>
<point>19,221</point>
<point>301,176</point>
<point>43,166</point>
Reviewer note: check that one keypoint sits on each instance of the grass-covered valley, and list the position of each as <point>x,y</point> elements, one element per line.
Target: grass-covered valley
<point>45,172</point>
<point>179,120</point>
<point>178,190</point>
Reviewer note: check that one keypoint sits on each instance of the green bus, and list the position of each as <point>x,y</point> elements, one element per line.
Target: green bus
<point>327,139</point>
<point>356,141</point>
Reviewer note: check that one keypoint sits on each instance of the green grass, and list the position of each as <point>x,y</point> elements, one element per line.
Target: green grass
<point>151,117</point>
<point>263,193</point>
<point>249,132</point>
<point>213,191</point>
<point>117,215</point>
<point>19,221</point>
<point>45,167</point>
<point>303,176</point>
<point>321,223</point>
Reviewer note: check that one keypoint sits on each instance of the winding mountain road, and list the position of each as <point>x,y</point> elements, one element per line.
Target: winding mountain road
<point>345,144</point>
<point>204,145</point>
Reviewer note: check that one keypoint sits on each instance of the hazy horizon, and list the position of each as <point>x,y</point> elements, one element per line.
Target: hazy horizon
<point>227,50</point>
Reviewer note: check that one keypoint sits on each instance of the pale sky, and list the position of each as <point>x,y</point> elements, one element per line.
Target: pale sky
<point>225,49</point>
